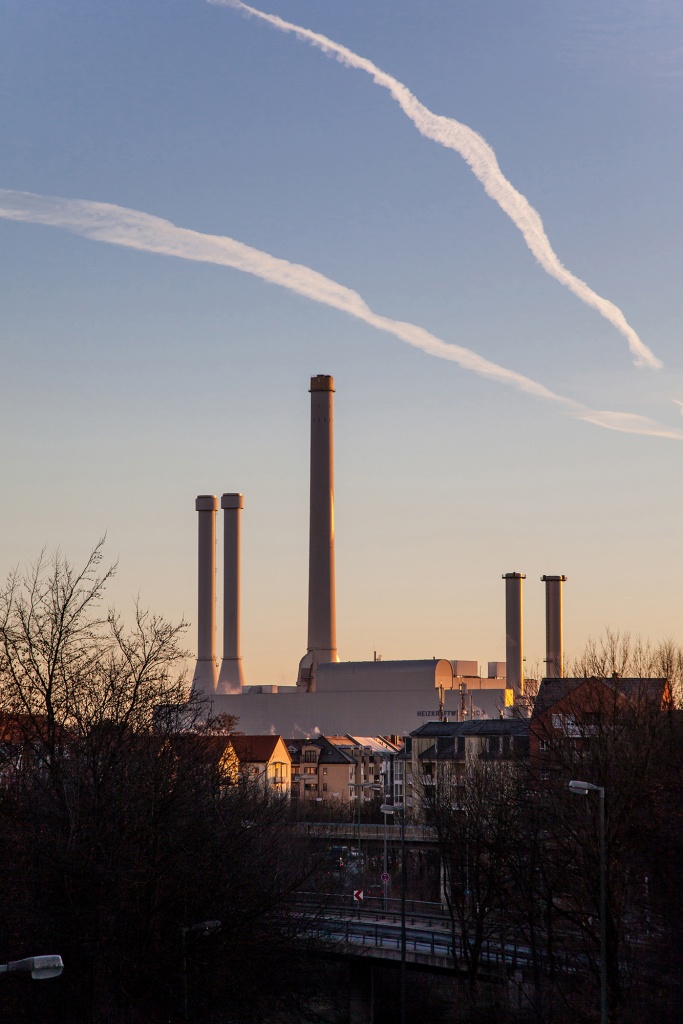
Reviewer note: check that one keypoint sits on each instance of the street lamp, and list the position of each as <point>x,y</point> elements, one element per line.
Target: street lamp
<point>583,789</point>
<point>385,862</point>
<point>362,786</point>
<point>36,966</point>
<point>392,809</point>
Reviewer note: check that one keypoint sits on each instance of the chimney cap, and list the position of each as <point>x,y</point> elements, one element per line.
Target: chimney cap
<point>513,576</point>
<point>553,579</point>
<point>232,500</point>
<point>322,382</point>
<point>206,503</point>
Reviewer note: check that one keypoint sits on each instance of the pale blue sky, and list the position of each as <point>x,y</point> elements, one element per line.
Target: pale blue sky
<point>134,381</point>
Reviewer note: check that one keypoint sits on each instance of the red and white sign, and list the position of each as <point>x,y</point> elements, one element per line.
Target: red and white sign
<point>385,877</point>
<point>358,895</point>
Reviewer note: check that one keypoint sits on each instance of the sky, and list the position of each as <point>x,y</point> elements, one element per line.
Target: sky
<point>201,209</point>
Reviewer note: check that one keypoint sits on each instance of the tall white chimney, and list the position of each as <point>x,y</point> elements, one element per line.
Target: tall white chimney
<point>206,670</point>
<point>514,639</point>
<point>322,616</point>
<point>554,643</point>
<point>231,676</point>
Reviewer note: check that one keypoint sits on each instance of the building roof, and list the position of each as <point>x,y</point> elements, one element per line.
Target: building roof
<point>435,728</point>
<point>343,741</point>
<point>553,690</point>
<point>495,727</point>
<point>253,748</point>
<point>378,744</point>
<point>475,726</point>
<point>329,753</point>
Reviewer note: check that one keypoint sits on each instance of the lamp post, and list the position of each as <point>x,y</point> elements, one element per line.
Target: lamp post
<point>361,786</point>
<point>385,864</point>
<point>37,966</point>
<point>392,809</point>
<point>583,789</point>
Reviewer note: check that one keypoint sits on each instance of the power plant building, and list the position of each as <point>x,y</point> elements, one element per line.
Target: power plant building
<point>333,697</point>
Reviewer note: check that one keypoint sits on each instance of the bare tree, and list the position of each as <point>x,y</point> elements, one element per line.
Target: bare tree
<point>472,808</point>
<point>614,734</point>
<point>116,832</point>
<point>66,661</point>
<point>617,653</point>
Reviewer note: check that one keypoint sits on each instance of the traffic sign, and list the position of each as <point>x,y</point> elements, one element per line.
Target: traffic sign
<point>358,895</point>
<point>385,877</point>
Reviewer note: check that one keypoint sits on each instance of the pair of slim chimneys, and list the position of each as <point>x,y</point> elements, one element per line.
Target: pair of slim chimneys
<point>514,640</point>
<point>322,627</point>
<point>207,677</point>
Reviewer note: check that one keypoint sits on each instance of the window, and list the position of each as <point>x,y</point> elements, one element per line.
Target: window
<point>324,787</point>
<point>544,746</point>
<point>310,755</point>
<point>569,726</point>
<point>324,771</point>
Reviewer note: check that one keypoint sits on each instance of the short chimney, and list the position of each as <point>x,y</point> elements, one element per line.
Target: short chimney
<point>206,670</point>
<point>514,639</point>
<point>554,643</point>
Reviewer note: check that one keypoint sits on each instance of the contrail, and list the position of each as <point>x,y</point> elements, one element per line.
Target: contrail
<point>118,225</point>
<point>483,162</point>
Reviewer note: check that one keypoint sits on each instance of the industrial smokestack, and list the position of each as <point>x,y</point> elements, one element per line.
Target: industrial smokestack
<point>322,624</point>
<point>206,670</point>
<point>231,676</point>
<point>554,644</point>
<point>514,640</point>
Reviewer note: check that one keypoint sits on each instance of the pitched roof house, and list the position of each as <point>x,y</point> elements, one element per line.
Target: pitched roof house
<point>265,759</point>
<point>573,712</point>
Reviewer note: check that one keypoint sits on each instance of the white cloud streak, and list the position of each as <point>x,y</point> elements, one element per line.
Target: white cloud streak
<point>480,157</point>
<point>118,225</point>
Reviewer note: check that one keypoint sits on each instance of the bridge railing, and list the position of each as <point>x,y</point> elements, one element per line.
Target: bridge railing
<point>331,904</point>
<point>352,830</point>
<point>365,938</point>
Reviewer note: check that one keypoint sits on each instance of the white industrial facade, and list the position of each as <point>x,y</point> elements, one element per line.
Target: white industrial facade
<point>384,698</point>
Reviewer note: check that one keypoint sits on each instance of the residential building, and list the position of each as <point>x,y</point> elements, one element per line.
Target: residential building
<point>342,768</point>
<point>445,748</point>
<point>263,759</point>
<point>574,712</point>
